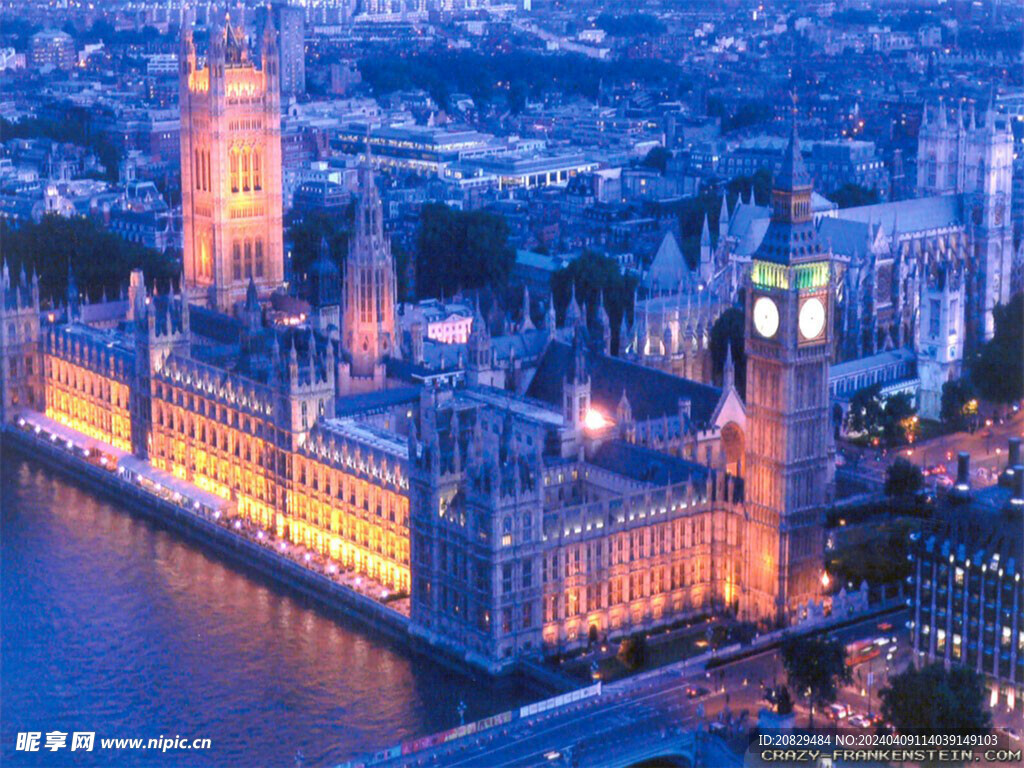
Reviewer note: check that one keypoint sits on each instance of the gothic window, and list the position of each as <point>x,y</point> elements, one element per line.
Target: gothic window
<point>259,256</point>
<point>236,260</point>
<point>246,181</point>
<point>248,258</point>
<point>199,174</point>
<point>257,178</point>
<point>206,176</point>
<point>932,170</point>
<point>933,318</point>
<point>233,164</point>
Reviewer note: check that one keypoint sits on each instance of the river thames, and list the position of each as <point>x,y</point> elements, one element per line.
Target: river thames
<point>116,626</point>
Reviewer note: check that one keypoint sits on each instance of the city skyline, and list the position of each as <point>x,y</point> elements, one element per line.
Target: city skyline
<point>549,343</point>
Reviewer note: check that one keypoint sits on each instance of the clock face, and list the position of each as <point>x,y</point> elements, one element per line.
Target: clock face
<point>766,317</point>
<point>812,318</point>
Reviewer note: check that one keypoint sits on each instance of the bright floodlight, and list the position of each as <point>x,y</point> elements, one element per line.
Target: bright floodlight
<point>594,419</point>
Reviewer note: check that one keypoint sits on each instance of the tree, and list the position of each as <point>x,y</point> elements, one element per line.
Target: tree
<point>853,195</point>
<point>633,651</point>
<point>657,158</point>
<point>306,233</point>
<point>728,331</point>
<point>957,396</point>
<point>815,668</point>
<point>936,700</point>
<point>903,478</point>
<point>892,419</point>
<point>456,250</point>
<point>998,370</point>
<point>100,260</point>
<point>591,274</point>
<point>865,412</point>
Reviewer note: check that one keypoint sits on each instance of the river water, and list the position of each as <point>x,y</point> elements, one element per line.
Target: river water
<point>113,625</point>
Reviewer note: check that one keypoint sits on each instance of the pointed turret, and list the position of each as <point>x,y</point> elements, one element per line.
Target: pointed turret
<point>728,368</point>
<point>573,315</point>
<point>723,216</point>
<point>526,323</point>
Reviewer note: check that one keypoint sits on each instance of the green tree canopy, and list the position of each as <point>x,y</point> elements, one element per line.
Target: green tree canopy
<point>903,478</point>
<point>890,419</point>
<point>936,700</point>
<point>461,249</point>
<point>815,667</point>
<point>998,371</point>
<point>657,158</point>
<point>593,273</point>
<point>306,233</point>
<point>100,260</point>
<point>852,195</point>
<point>956,398</point>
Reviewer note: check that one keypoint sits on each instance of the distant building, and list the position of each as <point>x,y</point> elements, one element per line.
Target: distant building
<point>292,23</point>
<point>51,48</point>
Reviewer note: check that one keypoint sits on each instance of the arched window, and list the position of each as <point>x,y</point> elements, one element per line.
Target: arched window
<point>246,182</point>
<point>259,256</point>
<point>199,171</point>
<point>233,165</point>
<point>257,179</point>
<point>236,260</point>
<point>248,258</point>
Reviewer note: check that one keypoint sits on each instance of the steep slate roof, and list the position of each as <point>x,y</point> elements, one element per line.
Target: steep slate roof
<point>668,268</point>
<point>845,237</point>
<point>652,393</point>
<point>646,465</point>
<point>915,215</point>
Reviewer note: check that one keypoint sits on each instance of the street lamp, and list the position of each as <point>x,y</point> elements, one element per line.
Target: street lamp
<point>461,709</point>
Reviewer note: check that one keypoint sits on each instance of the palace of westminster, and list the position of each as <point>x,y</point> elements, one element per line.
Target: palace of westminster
<point>529,492</point>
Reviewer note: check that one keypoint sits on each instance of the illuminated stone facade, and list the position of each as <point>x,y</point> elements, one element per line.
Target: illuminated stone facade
<point>231,168</point>
<point>788,346</point>
<point>595,498</point>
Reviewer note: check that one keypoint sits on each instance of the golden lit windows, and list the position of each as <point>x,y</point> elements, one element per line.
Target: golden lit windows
<point>233,168</point>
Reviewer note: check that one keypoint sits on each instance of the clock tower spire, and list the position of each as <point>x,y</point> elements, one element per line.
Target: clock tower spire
<point>788,343</point>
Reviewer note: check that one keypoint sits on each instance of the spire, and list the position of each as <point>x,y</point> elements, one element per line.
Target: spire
<point>728,368</point>
<point>602,313</point>
<point>705,234</point>
<point>723,216</point>
<point>572,310</point>
<point>526,324</point>
<point>252,299</point>
<point>792,175</point>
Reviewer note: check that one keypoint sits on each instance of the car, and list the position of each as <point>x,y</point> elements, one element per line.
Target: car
<point>881,641</point>
<point>885,626</point>
<point>696,691</point>
<point>859,721</point>
<point>836,711</point>
<point>935,469</point>
<point>554,754</point>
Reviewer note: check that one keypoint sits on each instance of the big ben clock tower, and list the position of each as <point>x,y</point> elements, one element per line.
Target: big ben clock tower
<point>788,343</point>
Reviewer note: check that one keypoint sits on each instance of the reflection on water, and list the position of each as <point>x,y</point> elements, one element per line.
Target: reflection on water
<point>113,625</point>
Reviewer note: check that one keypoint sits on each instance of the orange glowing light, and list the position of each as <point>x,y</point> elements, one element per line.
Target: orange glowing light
<point>594,420</point>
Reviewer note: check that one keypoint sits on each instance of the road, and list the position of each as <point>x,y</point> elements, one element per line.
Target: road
<point>629,715</point>
<point>987,448</point>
